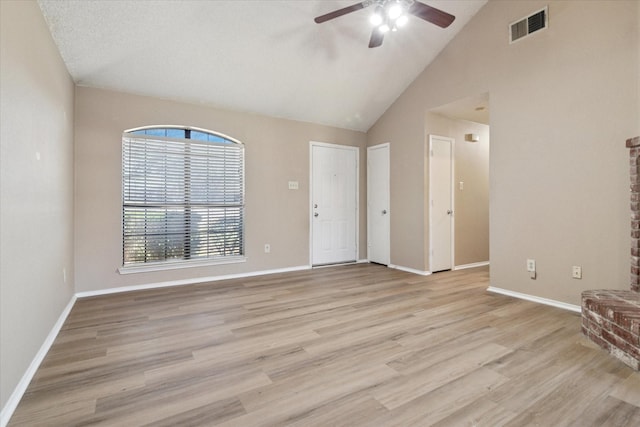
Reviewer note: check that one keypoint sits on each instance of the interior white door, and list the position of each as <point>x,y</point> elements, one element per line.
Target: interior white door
<point>378,212</point>
<point>440,203</point>
<point>334,207</point>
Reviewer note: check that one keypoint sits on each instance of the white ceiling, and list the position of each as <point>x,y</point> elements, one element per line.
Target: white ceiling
<point>474,108</point>
<point>266,57</point>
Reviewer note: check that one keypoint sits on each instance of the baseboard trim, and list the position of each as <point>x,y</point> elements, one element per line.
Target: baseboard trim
<point>18,391</point>
<point>410,270</point>
<point>472,265</point>
<point>188,281</point>
<point>533,298</point>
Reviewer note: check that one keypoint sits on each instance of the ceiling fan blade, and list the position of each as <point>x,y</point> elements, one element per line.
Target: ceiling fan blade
<point>376,38</point>
<point>340,12</point>
<point>431,14</point>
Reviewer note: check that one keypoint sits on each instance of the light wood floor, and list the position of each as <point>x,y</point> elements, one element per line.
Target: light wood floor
<point>340,346</point>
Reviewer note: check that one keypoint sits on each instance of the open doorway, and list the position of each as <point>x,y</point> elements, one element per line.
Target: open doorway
<point>466,122</point>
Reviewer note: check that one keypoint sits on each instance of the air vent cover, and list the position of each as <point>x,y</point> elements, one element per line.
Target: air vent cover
<point>530,24</point>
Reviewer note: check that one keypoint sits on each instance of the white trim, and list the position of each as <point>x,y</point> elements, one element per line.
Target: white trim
<point>533,298</point>
<point>175,265</point>
<point>127,133</point>
<point>386,146</point>
<point>357,225</point>
<point>21,387</point>
<point>472,265</point>
<point>410,270</point>
<point>337,264</point>
<point>452,232</point>
<point>360,261</point>
<point>188,281</point>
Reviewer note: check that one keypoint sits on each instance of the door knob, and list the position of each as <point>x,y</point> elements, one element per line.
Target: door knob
<point>384,212</point>
<point>315,214</point>
<point>449,211</point>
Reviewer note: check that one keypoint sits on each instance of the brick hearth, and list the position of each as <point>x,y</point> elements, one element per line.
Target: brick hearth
<point>634,146</point>
<point>611,318</point>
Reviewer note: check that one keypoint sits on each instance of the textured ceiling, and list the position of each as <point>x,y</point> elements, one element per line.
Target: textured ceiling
<point>265,57</point>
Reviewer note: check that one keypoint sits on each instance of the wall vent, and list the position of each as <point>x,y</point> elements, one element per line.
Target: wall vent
<point>526,26</point>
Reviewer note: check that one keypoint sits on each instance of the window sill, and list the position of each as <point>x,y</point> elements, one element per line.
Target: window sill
<point>175,265</point>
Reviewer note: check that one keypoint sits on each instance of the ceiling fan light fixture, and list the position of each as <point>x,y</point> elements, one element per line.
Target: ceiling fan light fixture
<point>402,21</point>
<point>394,11</point>
<point>377,17</point>
<point>390,15</point>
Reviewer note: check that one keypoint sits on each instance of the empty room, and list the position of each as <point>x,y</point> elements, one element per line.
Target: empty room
<point>320,213</point>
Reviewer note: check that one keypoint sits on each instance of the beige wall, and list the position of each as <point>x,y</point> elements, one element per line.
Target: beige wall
<point>562,104</point>
<point>407,181</point>
<point>36,188</point>
<point>471,204</point>
<point>277,151</point>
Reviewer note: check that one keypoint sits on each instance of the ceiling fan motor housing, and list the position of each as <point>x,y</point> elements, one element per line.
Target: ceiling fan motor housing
<point>389,15</point>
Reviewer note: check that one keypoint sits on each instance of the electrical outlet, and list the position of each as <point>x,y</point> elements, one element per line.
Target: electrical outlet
<point>531,268</point>
<point>531,265</point>
<point>267,248</point>
<point>576,272</point>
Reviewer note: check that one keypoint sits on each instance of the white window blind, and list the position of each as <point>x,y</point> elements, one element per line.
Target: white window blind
<point>183,198</point>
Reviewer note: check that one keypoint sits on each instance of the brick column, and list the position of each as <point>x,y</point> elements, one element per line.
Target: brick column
<point>634,145</point>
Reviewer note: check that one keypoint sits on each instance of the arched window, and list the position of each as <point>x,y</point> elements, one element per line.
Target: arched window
<point>182,196</point>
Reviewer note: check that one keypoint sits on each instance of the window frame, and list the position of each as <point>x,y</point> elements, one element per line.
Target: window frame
<point>177,263</point>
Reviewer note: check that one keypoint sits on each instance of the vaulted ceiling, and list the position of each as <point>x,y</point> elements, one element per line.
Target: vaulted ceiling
<point>266,57</point>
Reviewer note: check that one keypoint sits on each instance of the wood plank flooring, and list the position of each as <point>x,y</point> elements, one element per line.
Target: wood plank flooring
<point>358,345</point>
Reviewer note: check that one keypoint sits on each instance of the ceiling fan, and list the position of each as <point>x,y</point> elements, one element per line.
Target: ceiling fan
<point>389,15</point>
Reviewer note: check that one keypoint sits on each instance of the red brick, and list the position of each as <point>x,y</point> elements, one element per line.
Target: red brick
<point>626,335</point>
<point>599,341</point>
<point>621,344</point>
<point>592,317</point>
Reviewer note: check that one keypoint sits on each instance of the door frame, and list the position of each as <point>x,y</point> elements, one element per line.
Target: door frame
<point>387,146</point>
<point>451,183</point>
<point>356,213</point>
